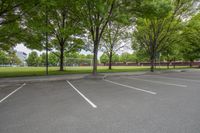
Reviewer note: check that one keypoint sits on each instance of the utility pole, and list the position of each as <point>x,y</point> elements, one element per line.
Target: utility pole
<point>47,62</point>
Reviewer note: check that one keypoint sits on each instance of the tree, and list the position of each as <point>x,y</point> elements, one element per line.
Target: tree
<point>3,58</point>
<point>9,57</point>
<point>172,51</point>
<point>62,28</point>
<point>95,15</point>
<point>53,59</point>
<point>7,19</point>
<point>126,57</point>
<point>11,14</point>
<point>141,55</point>
<point>33,59</point>
<point>66,31</point>
<point>42,59</point>
<point>13,59</point>
<point>114,39</point>
<point>115,58</point>
<point>104,59</point>
<point>157,22</point>
<point>190,40</point>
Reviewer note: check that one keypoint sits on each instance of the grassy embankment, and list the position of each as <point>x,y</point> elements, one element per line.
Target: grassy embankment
<point>39,71</point>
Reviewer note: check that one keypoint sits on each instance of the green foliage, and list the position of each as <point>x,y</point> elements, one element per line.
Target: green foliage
<point>115,58</point>
<point>157,24</point>
<point>77,59</point>
<point>42,59</point>
<point>95,16</point>
<point>33,59</point>
<point>190,39</point>
<point>155,9</point>
<point>158,29</point>
<point>9,58</point>
<point>3,58</point>
<point>53,59</point>
<point>14,60</point>
<point>12,21</point>
<point>65,26</point>
<point>127,57</point>
<point>58,20</point>
<point>141,55</point>
<point>104,58</point>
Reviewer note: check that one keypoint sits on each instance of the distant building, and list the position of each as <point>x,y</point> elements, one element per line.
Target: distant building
<point>22,56</point>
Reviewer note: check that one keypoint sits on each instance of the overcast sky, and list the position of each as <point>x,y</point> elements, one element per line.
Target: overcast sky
<point>22,48</point>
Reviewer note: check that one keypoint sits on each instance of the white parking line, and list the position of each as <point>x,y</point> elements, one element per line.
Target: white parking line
<point>158,82</point>
<point>181,79</point>
<point>90,102</point>
<point>150,92</point>
<point>12,93</point>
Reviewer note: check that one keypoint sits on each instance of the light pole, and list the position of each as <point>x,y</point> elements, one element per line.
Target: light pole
<point>47,63</point>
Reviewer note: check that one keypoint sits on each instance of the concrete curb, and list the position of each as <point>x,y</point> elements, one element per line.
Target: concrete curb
<point>64,77</point>
<point>83,76</point>
<point>124,74</point>
<point>41,78</point>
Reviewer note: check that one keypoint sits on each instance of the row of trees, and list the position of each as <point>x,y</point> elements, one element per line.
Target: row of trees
<point>72,59</point>
<point>66,26</point>
<point>162,29</point>
<point>123,58</point>
<point>9,58</point>
<point>168,29</point>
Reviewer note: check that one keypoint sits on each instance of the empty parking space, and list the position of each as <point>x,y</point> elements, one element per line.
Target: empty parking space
<point>11,93</point>
<point>123,104</point>
<point>157,86</point>
<point>184,76</point>
<point>105,94</point>
<point>157,82</point>
<point>7,89</point>
<point>177,80</point>
<point>41,107</point>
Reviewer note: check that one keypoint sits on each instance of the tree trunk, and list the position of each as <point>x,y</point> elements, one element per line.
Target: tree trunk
<point>95,52</point>
<point>110,61</point>
<point>191,61</point>
<point>61,57</point>
<point>152,62</point>
<point>174,62</point>
<point>168,62</point>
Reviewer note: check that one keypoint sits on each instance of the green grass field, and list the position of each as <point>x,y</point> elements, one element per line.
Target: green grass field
<point>39,71</point>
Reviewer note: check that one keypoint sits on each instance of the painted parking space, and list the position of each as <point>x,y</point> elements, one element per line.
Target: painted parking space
<point>114,105</point>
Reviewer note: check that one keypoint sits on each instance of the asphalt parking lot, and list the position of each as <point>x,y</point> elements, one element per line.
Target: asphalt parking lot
<point>162,103</point>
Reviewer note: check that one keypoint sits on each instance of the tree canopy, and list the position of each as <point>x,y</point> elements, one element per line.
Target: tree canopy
<point>169,28</point>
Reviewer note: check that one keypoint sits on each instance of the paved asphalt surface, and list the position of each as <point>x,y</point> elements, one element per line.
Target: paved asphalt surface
<point>164,103</point>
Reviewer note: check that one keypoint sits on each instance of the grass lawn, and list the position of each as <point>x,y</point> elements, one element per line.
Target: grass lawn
<point>39,71</point>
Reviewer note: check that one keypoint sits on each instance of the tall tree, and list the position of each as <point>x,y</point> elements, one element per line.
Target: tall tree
<point>104,59</point>
<point>95,15</point>
<point>63,31</point>
<point>158,20</point>
<point>190,40</point>
<point>127,57</point>
<point>42,59</point>
<point>3,58</point>
<point>114,38</point>
<point>66,29</point>
<point>33,59</point>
